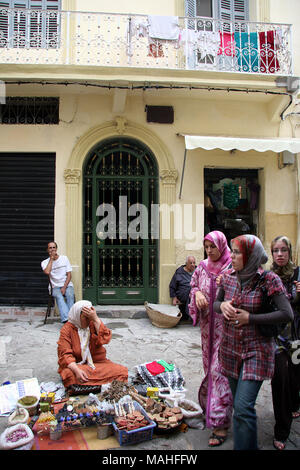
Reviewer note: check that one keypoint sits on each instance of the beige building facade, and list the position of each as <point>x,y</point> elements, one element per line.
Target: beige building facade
<point>127,98</point>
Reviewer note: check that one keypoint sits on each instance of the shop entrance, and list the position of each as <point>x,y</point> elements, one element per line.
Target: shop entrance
<point>120,253</point>
<point>231,201</point>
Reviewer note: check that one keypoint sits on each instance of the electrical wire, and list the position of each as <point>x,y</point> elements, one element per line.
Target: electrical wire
<point>148,87</point>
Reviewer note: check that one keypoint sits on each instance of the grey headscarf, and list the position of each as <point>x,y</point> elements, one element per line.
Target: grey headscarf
<point>254,256</point>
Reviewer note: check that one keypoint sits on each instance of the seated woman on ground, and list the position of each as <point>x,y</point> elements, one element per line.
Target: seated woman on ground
<point>81,355</point>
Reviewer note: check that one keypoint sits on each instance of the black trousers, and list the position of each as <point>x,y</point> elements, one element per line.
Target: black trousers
<point>285,394</point>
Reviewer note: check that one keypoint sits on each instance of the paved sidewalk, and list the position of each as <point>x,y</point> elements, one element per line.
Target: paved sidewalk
<point>28,349</point>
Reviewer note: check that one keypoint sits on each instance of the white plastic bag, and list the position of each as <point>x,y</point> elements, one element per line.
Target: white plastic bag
<point>20,415</point>
<point>193,418</point>
<point>10,433</point>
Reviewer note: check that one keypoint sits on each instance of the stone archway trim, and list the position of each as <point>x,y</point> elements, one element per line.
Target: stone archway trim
<point>73,181</point>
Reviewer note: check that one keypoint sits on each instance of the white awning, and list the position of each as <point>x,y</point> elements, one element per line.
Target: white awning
<point>276,145</point>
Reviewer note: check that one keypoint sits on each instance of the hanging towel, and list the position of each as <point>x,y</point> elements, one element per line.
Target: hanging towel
<point>154,368</point>
<point>227,44</point>
<point>168,367</point>
<point>247,51</point>
<point>163,27</point>
<point>268,60</point>
<point>208,43</point>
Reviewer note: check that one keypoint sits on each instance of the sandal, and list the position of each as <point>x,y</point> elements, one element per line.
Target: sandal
<point>279,445</point>
<point>295,414</point>
<point>216,437</point>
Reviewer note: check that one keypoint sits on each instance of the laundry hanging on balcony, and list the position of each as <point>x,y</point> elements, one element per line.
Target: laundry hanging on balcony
<point>239,51</point>
<point>163,27</point>
<point>160,30</point>
<point>247,52</point>
<point>205,42</point>
<point>268,60</point>
<point>227,44</point>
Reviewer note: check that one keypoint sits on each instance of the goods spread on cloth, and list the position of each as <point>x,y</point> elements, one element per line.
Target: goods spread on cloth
<point>122,410</point>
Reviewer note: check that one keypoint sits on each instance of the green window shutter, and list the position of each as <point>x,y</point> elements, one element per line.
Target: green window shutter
<point>190,8</point>
<point>24,29</point>
<point>241,10</point>
<point>3,24</point>
<point>233,10</point>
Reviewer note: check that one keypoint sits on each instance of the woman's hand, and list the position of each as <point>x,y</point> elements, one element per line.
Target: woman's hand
<point>218,279</point>
<point>80,374</point>
<point>90,313</point>
<point>228,310</point>
<point>242,317</point>
<point>297,284</point>
<point>201,301</point>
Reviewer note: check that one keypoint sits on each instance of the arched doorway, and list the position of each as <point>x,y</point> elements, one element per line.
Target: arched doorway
<point>120,232</point>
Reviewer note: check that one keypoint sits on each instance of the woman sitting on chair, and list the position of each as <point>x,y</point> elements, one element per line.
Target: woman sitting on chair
<point>81,355</point>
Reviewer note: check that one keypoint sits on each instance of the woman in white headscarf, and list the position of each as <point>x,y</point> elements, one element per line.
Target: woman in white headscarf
<point>81,355</point>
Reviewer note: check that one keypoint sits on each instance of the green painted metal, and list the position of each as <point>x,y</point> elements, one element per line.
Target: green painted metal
<point>120,267</point>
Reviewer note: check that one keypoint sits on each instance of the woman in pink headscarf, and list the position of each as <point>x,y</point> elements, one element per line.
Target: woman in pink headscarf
<point>215,396</point>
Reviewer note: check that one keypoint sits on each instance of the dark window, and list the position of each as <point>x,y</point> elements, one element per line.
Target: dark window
<point>27,197</point>
<point>231,201</point>
<point>30,110</point>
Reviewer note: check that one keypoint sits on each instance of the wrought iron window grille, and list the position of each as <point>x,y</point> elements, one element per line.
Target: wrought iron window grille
<point>30,110</point>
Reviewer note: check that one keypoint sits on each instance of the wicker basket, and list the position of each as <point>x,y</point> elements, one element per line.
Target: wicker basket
<point>160,319</point>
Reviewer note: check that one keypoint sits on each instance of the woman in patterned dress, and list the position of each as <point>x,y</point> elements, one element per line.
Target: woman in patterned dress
<point>247,357</point>
<point>214,393</point>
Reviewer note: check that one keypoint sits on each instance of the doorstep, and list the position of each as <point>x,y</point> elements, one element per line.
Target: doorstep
<point>104,311</point>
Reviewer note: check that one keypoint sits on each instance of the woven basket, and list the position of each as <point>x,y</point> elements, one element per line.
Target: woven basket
<point>160,319</point>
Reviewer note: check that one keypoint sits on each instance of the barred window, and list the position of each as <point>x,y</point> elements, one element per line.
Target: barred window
<point>30,110</point>
<point>30,23</point>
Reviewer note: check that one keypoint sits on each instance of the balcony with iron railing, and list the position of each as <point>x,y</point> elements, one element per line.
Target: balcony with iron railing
<point>38,37</point>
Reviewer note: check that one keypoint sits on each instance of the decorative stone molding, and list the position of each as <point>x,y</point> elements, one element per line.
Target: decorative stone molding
<point>72,176</point>
<point>169,176</point>
<point>121,123</point>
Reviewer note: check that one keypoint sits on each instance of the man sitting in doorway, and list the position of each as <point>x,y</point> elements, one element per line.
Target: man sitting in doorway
<point>180,286</point>
<point>58,268</point>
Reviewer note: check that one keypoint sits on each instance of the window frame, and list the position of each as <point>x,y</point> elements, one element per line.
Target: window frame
<point>21,28</point>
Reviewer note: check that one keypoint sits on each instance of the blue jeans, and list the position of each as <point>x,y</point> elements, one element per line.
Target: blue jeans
<point>244,417</point>
<point>64,303</point>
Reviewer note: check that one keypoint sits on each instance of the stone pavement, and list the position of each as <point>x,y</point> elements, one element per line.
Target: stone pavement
<point>28,349</point>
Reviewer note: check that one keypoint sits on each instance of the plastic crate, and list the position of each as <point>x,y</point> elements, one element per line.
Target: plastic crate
<point>136,435</point>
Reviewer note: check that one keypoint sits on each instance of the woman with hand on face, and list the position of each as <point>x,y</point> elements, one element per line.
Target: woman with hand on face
<point>81,355</point>
<point>286,379</point>
<point>214,393</point>
<point>247,357</point>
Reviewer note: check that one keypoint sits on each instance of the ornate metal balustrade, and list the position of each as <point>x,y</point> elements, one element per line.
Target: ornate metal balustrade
<point>118,40</point>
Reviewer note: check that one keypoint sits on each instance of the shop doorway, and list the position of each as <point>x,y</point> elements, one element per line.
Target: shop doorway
<point>231,200</point>
<point>120,181</point>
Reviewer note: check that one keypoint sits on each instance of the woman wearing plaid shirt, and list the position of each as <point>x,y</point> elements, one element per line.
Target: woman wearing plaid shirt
<point>247,357</point>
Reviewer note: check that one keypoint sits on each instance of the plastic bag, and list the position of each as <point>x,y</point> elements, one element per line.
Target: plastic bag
<point>9,438</point>
<point>20,415</point>
<point>193,417</point>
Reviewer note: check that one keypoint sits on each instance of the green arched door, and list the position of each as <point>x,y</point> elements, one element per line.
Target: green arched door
<point>120,224</point>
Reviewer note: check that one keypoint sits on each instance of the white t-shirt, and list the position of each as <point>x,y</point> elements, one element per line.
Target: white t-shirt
<point>60,267</point>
